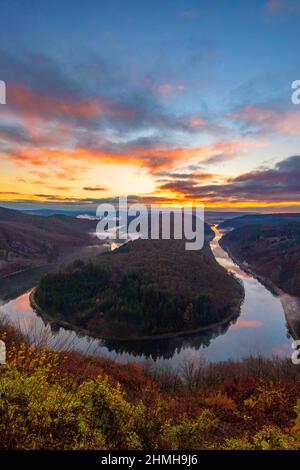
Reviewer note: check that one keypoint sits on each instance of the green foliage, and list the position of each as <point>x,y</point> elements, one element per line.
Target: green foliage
<point>60,400</point>
<point>271,250</point>
<point>297,409</point>
<point>36,413</point>
<point>268,438</point>
<point>151,286</point>
<point>189,435</point>
<point>108,411</point>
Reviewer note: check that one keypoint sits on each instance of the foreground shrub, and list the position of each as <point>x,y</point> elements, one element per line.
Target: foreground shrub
<point>64,400</point>
<point>36,413</point>
<point>269,438</point>
<point>189,435</point>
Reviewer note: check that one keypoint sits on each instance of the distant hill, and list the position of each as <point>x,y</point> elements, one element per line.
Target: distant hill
<point>210,215</point>
<point>259,219</point>
<point>31,239</point>
<point>147,287</point>
<point>271,250</point>
<point>47,212</point>
<point>216,217</point>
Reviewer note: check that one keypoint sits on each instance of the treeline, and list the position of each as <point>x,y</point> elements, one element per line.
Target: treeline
<point>271,250</point>
<point>259,219</point>
<point>83,294</point>
<point>152,287</point>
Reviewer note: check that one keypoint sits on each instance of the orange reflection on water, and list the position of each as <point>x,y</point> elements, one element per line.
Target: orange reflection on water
<point>247,324</point>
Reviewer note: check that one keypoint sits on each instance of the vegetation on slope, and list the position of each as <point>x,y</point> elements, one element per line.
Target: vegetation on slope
<point>55,400</point>
<point>271,250</point>
<point>30,240</point>
<point>254,219</point>
<point>147,287</point>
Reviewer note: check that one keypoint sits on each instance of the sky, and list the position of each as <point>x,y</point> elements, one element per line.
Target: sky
<point>174,103</point>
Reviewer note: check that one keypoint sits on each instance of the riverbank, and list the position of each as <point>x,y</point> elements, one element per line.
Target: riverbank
<point>64,324</point>
<point>17,283</point>
<point>260,329</point>
<point>150,289</point>
<point>290,304</point>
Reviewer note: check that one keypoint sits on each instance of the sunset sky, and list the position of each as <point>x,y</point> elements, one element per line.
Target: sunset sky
<point>174,102</point>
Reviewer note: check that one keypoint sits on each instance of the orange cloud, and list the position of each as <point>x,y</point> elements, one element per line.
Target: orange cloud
<point>153,158</point>
<point>267,187</point>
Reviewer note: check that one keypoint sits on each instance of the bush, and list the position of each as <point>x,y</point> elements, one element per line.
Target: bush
<point>37,413</point>
<point>189,435</point>
<point>268,438</point>
<point>59,400</point>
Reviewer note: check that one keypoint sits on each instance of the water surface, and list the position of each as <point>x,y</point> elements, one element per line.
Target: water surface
<point>259,329</point>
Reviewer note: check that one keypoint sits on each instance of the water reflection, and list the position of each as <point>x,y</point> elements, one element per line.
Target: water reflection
<point>260,329</point>
<point>167,348</point>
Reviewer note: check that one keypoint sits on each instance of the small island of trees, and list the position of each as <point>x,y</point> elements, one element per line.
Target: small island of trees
<point>148,287</point>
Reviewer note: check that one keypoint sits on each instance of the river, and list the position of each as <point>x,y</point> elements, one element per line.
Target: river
<point>260,329</point>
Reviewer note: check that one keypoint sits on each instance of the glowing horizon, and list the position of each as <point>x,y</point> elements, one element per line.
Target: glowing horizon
<point>147,115</point>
